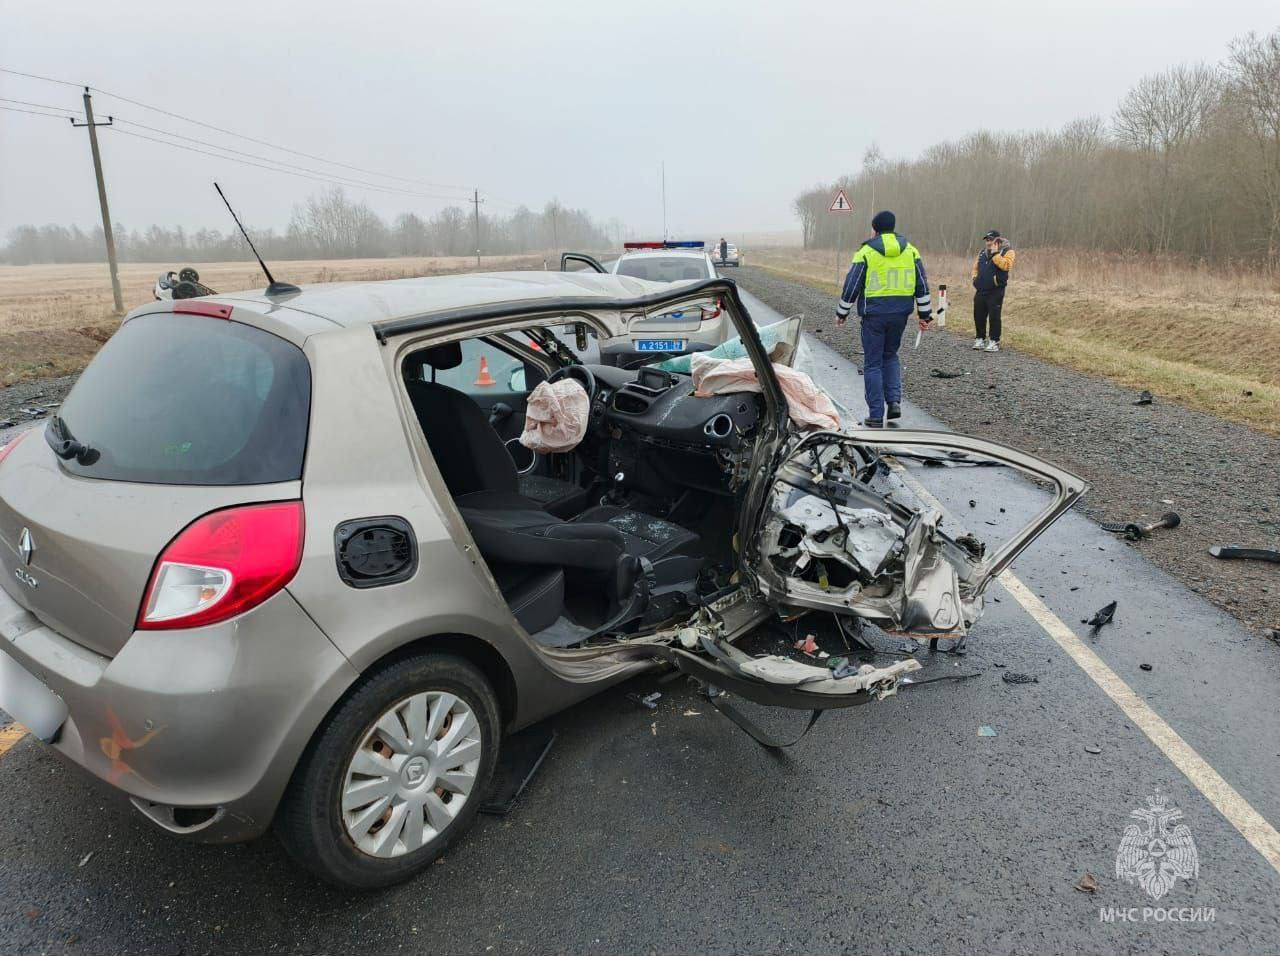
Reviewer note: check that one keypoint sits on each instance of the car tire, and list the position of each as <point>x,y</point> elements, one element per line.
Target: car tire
<point>316,820</point>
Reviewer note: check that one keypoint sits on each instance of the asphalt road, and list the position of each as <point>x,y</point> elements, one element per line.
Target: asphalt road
<point>892,827</point>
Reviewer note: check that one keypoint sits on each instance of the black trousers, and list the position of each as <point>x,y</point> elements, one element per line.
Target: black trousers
<point>987,306</point>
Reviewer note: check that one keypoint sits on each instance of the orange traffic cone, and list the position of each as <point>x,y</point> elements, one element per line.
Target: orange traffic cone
<point>483,378</point>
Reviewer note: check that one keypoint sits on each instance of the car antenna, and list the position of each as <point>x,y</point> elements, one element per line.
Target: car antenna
<point>275,288</point>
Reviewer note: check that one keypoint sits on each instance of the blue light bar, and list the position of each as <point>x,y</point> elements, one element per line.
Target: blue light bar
<point>684,245</point>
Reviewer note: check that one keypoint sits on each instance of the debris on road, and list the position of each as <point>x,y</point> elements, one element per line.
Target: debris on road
<point>1144,667</point>
<point>1016,677</point>
<point>985,731</point>
<point>87,857</point>
<point>648,701</point>
<point>1101,617</point>
<point>1146,398</point>
<point>1232,551</point>
<point>1092,749</point>
<point>809,645</point>
<point>1136,531</point>
<point>1087,884</point>
<point>939,373</point>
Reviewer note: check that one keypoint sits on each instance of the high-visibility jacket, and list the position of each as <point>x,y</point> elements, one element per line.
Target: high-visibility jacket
<point>886,277</point>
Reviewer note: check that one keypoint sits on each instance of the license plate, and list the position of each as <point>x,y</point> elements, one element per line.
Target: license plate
<point>28,701</point>
<point>660,345</point>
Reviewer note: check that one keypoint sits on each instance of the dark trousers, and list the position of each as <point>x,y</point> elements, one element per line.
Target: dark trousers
<point>881,367</point>
<point>987,306</point>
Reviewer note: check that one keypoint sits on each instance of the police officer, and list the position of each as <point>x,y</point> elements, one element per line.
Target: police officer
<point>990,278</point>
<point>724,250</point>
<point>886,281</point>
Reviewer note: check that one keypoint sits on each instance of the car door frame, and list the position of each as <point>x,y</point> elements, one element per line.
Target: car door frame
<point>591,261</point>
<point>1067,489</point>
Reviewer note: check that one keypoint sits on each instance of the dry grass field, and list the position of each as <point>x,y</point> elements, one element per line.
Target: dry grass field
<point>1207,338</point>
<point>54,317</point>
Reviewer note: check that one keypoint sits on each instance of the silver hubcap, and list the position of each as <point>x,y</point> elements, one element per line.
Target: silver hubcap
<point>412,774</point>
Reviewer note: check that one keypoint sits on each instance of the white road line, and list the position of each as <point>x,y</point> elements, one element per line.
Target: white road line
<point>1262,836</point>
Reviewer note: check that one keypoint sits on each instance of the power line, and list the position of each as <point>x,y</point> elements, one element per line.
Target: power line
<point>251,139</point>
<point>43,106</point>
<point>253,159</point>
<point>263,142</point>
<point>33,76</point>
<point>318,176</point>
<point>14,109</point>
<point>330,180</point>
<point>279,162</point>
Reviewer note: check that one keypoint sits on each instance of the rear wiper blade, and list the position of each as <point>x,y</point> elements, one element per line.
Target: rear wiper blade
<point>65,445</point>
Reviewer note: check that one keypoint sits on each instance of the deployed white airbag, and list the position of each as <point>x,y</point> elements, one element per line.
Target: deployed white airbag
<point>807,404</point>
<point>556,418</point>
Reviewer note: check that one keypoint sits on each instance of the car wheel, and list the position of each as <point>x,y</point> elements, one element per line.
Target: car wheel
<point>395,774</point>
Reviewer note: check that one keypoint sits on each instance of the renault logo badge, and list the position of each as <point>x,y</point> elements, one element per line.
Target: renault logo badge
<point>26,546</point>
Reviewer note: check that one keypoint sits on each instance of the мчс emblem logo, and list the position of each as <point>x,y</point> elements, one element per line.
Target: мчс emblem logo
<point>1157,853</point>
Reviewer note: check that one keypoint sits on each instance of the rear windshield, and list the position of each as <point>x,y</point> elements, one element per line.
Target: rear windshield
<point>190,400</point>
<point>659,269</point>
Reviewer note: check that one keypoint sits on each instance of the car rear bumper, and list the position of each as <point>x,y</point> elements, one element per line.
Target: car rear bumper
<point>210,722</point>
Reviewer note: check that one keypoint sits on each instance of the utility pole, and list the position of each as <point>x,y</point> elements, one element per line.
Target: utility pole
<point>102,196</point>
<point>476,202</point>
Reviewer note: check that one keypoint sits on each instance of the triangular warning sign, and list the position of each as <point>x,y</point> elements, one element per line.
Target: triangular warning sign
<point>841,203</point>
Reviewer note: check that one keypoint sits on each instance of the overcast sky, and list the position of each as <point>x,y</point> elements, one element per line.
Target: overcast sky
<point>747,104</point>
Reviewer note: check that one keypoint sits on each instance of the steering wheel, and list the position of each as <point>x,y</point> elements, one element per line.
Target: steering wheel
<point>584,376</point>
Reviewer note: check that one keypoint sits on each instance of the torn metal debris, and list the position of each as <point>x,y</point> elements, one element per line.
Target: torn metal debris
<point>1101,617</point>
<point>1135,530</point>
<point>1236,551</point>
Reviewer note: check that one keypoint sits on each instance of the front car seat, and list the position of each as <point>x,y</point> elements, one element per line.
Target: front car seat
<point>471,456</point>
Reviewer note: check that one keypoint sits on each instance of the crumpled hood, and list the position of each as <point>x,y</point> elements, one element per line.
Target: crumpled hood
<point>888,244</point>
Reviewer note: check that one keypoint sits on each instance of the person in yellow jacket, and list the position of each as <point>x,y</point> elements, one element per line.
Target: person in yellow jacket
<point>886,283</point>
<point>990,278</point>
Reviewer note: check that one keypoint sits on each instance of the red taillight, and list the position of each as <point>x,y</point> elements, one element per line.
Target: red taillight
<point>222,565</point>
<point>4,452</point>
<point>711,313</point>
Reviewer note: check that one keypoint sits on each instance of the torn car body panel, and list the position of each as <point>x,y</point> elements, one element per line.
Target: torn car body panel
<point>833,534</point>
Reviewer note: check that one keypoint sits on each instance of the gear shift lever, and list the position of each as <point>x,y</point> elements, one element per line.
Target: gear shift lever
<point>617,490</point>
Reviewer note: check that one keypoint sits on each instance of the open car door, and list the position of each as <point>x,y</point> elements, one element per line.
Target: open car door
<point>579,262</point>
<point>835,531</point>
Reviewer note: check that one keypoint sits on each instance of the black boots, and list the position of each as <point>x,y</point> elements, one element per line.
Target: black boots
<point>873,423</point>
<point>895,411</point>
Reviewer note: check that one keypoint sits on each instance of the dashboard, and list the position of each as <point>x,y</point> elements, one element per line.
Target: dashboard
<point>659,433</point>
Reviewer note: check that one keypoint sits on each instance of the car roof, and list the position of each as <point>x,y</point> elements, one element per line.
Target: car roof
<point>348,304</point>
<point>664,253</point>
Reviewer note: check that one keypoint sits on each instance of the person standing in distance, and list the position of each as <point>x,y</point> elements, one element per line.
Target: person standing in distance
<point>990,278</point>
<point>724,250</point>
<point>886,282</point>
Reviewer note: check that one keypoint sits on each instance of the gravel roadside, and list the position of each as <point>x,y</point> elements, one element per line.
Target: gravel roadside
<point>1141,461</point>
<point>16,399</point>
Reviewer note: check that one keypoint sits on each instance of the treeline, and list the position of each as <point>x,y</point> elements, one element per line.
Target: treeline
<point>326,226</point>
<point>1189,164</point>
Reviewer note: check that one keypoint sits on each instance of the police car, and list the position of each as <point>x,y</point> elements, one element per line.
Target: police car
<point>694,328</point>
